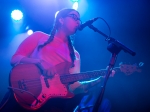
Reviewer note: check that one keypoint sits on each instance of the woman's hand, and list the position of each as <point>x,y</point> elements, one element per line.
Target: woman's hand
<point>82,87</point>
<point>47,68</point>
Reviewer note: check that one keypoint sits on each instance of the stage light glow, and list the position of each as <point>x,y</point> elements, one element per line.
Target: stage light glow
<point>75,5</point>
<point>29,32</point>
<point>16,15</point>
<point>75,0</point>
<point>56,13</point>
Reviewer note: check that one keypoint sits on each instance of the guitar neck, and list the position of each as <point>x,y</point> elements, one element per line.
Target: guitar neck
<point>84,76</point>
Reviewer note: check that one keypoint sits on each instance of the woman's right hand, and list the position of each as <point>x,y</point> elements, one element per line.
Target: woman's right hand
<point>47,68</point>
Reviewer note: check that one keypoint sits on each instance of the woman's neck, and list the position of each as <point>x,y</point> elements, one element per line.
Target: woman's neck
<point>62,35</point>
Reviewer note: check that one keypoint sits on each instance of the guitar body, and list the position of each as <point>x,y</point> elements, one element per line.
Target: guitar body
<point>32,90</point>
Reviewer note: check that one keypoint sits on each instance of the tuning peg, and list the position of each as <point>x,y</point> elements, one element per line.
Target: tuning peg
<point>141,64</point>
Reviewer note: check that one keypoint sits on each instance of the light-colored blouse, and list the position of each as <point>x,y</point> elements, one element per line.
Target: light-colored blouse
<point>53,53</point>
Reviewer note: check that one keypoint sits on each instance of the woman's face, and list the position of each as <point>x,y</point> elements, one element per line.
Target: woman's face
<point>71,22</point>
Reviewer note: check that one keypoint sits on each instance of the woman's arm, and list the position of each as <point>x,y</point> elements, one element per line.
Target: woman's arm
<point>26,48</point>
<point>82,87</point>
<point>30,60</point>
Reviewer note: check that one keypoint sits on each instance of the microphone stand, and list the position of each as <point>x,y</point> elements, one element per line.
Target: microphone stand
<point>114,46</point>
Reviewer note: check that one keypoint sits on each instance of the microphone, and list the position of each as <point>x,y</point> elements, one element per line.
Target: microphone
<point>87,23</point>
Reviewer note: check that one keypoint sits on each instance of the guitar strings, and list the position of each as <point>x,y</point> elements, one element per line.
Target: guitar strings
<point>35,83</point>
<point>31,84</point>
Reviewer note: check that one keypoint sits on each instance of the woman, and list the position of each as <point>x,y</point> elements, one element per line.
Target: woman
<point>54,54</point>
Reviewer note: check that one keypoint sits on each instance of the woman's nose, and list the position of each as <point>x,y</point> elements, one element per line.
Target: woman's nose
<point>78,22</point>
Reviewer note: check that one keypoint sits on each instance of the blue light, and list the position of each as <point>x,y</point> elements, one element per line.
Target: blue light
<point>29,32</point>
<point>16,15</point>
<point>75,5</point>
<point>56,14</point>
<point>75,0</point>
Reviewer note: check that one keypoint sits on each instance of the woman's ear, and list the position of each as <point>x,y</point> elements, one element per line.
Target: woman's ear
<point>61,20</point>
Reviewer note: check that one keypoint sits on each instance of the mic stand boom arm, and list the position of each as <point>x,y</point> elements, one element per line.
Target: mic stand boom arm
<point>114,46</point>
<point>114,41</point>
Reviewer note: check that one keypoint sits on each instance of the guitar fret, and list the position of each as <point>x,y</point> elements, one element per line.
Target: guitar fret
<point>70,78</point>
<point>81,76</point>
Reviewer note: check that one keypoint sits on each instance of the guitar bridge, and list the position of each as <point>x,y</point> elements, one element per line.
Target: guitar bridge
<point>22,85</point>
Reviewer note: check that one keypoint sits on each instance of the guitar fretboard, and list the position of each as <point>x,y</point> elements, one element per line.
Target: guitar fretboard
<point>83,76</point>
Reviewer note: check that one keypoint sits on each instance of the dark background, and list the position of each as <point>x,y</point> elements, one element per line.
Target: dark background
<point>129,21</point>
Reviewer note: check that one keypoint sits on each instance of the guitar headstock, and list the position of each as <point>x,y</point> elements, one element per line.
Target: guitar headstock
<point>129,69</point>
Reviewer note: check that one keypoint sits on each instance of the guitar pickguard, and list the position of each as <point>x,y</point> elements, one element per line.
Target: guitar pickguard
<point>55,89</point>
